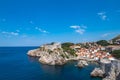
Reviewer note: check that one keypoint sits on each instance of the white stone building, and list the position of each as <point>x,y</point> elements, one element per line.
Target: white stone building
<point>52,46</point>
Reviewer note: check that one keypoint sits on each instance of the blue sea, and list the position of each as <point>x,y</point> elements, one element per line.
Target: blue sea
<point>16,65</point>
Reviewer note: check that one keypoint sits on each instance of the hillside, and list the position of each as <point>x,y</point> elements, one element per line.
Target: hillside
<point>116,38</point>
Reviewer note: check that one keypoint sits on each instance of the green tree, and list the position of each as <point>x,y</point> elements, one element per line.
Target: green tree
<point>67,44</point>
<point>66,48</point>
<point>103,43</point>
<point>116,53</point>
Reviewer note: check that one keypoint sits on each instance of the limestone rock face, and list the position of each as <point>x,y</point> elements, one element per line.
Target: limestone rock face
<point>112,74</point>
<point>34,53</point>
<point>111,71</point>
<point>97,72</point>
<point>82,63</point>
<point>114,71</point>
<point>52,60</point>
<point>51,54</point>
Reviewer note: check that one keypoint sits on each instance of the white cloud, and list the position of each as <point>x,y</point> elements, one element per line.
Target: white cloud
<point>79,29</point>
<point>10,33</point>
<point>41,30</point>
<point>102,15</point>
<point>108,34</point>
<point>75,27</point>
<point>14,33</point>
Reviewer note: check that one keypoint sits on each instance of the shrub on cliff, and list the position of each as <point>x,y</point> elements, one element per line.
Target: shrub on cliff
<point>66,48</point>
<point>67,44</point>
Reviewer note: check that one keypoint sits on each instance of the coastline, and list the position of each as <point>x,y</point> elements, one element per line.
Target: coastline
<point>54,54</point>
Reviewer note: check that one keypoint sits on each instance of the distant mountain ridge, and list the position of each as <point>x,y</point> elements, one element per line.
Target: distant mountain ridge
<point>116,38</point>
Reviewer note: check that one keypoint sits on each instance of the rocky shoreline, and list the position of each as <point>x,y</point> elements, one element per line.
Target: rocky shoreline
<point>47,58</point>
<point>53,54</point>
<point>108,71</point>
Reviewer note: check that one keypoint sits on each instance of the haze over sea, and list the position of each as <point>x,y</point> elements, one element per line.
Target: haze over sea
<point>16,65</point>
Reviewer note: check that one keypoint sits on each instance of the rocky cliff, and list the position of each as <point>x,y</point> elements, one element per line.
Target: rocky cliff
<point>82,63</point>
<point>109,71</point>
<point>51,54</point>
<point>112,70</point>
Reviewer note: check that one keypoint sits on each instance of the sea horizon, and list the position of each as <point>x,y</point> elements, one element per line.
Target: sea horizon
<point>59,39</point>
<point>21,66</point>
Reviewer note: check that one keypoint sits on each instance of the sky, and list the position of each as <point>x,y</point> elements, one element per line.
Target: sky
<point>36,22</point>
